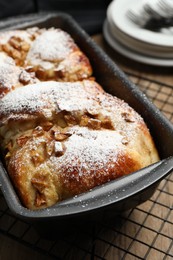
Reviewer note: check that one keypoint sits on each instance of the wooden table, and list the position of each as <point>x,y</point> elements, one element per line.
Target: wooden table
<point>143,233</point>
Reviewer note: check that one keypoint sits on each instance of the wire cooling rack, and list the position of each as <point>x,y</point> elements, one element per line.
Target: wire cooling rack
<point>145,232</point>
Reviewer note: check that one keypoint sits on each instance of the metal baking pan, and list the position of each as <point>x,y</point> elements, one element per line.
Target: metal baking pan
<point>116,196</point>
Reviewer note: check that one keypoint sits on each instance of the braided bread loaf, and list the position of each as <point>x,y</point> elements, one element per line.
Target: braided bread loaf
<point>60,139</point>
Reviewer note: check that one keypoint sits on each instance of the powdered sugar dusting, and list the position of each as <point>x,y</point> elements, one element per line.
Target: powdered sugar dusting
<point>9,73</point>
<point>46,95</point>
<point>89,149</point>
<point>52,45</point>
<point>46,99</point>
<point>22,34</point>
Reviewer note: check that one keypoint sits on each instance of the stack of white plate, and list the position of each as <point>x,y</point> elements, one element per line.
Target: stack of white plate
<point>129,39</point>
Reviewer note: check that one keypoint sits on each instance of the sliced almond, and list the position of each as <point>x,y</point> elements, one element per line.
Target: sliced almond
<point>50,148</point>
<point>60,136</point>
<point>25,46</point>
<point>40,199</point>
<point>125,141</point>
<point>106,123</point>
<point>39,183</point>
<point>7,48</point>
<point>70,120</point>
<point>16,54</point>
<point>41,73</point>
<point>14,42</point>
<point>59,149</point>
<point>24,77</point>
<point>128,117</point>
<point>94,123</point>
<point>29,69</point>
<point>38,131</point>
<point>37,158</point>
<point>84,120</point>
<point>47,125</point>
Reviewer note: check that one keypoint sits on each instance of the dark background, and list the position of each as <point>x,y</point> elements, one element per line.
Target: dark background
<point>90,14</point>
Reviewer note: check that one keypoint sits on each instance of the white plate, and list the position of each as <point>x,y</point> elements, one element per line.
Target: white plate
<point>118,10</point>
<point>131,54</point>
<point>139,46</point>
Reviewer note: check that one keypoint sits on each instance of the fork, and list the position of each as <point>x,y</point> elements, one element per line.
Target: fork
<point>151,19</point>
<point>136,19</point>
<point>165,7</point>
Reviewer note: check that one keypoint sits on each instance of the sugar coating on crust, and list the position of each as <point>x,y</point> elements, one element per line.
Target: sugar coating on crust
<point>47,98</point>
<point>16,44</point>
<point>60,139</point>
<point>12,76</point>
<point>24,35</point>
<point>51,53</point>
<point>66,138</point>
<point>52,45</point>
<point>9,74</point>
<point>55,55</point>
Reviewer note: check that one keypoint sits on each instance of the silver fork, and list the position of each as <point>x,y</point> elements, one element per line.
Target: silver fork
<point>151,12</point>
<point>136,18</point>
<point>165,7</point>
<point>146,12</point>
<point>153,19</point>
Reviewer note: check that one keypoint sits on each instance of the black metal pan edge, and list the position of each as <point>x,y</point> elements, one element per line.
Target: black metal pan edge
<point>109,193</point>
<point>22,21</point>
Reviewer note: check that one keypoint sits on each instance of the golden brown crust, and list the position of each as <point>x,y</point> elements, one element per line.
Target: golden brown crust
<point>52,54</point>
<point>12,76</point>
<point>62,138</point>
<point>44,173</point>
<point>16,44</point>
<point>67,138</point>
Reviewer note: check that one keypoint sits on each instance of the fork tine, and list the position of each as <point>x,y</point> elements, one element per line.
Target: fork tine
<point>165,7</point>
<point>152,12</point>
<point>152,19</point>
<point>132,16</point>
<point>135,18</point>
<point>166,4</point>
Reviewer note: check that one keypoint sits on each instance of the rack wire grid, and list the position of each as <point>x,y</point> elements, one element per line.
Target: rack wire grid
<point>140,233</point>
